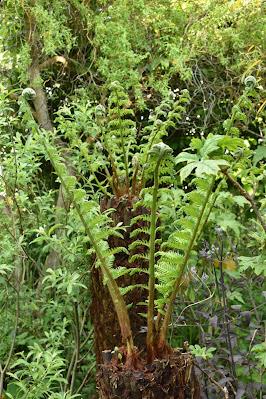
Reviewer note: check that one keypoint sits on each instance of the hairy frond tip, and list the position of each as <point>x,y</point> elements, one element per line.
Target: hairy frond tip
<point>160,150</point>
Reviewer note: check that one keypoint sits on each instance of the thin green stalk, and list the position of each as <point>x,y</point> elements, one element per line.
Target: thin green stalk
<point>115,176</point>
<point>211,205</point>
<point>147,156</point>
<point>125,158</point>
<point>117,298</point>
<point>150,313</point>
<point>125,161</point>
<point>170,303</point>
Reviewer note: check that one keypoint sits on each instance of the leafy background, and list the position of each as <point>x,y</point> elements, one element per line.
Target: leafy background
<point>209,48</point>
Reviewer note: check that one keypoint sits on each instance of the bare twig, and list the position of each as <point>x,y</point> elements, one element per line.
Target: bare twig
<point>222,389</point>
<point>85,379</point>
<point>225,313</point>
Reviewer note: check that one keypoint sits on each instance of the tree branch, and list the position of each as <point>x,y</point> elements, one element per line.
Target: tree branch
<point>53,60</point>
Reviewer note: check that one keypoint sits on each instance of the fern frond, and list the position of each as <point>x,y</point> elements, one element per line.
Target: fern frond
<point>183,242</point>
<point>139,231</point>
<point>128,288</point>
<point>138,243</point>
<point>137,257</point>
<point>144,217</point>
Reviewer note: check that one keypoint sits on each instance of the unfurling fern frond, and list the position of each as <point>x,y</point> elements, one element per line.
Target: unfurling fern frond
<point>119,136</point>
<point>168,113</point>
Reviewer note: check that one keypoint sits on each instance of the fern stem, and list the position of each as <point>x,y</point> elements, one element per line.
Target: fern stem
<point>125,158</point>
<point>115,176</point>
<point>170,304</point>
<point>210,208</point>
<point>150,313</point>
<point>117,298</point>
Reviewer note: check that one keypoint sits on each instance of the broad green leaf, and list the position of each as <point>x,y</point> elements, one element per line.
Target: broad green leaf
<point>186,157</point>
<point>236,296</point>
<point>210,166</point>
<point>259,154</point>
<point>196,143</point>
<point>210,145</point>
<point>231,143</point>
<point>260,353</point>
<point>186,170</point>
<point>241,201</point>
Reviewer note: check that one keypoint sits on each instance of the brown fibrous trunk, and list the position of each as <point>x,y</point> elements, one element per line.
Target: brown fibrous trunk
<point>107,333</point>
<point>170,378</point>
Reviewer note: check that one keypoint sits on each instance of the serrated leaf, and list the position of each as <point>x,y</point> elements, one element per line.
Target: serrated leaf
<point>210,166</point>
<point>186,157</point>
<point>210,145</point>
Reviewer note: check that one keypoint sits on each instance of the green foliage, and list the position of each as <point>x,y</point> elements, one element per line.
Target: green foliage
<point>177,252</point>
<point>38,371</point>
<point>260,353</point>
<point>132,79</point>
<point>203,352</point>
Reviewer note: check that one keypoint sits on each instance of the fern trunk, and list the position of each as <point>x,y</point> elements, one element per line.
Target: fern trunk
<point>171,378</point>
<point>107,334</point>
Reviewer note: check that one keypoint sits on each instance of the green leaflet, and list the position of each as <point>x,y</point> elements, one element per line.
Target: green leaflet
<point>182,240</point>
<point>256,263</point>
